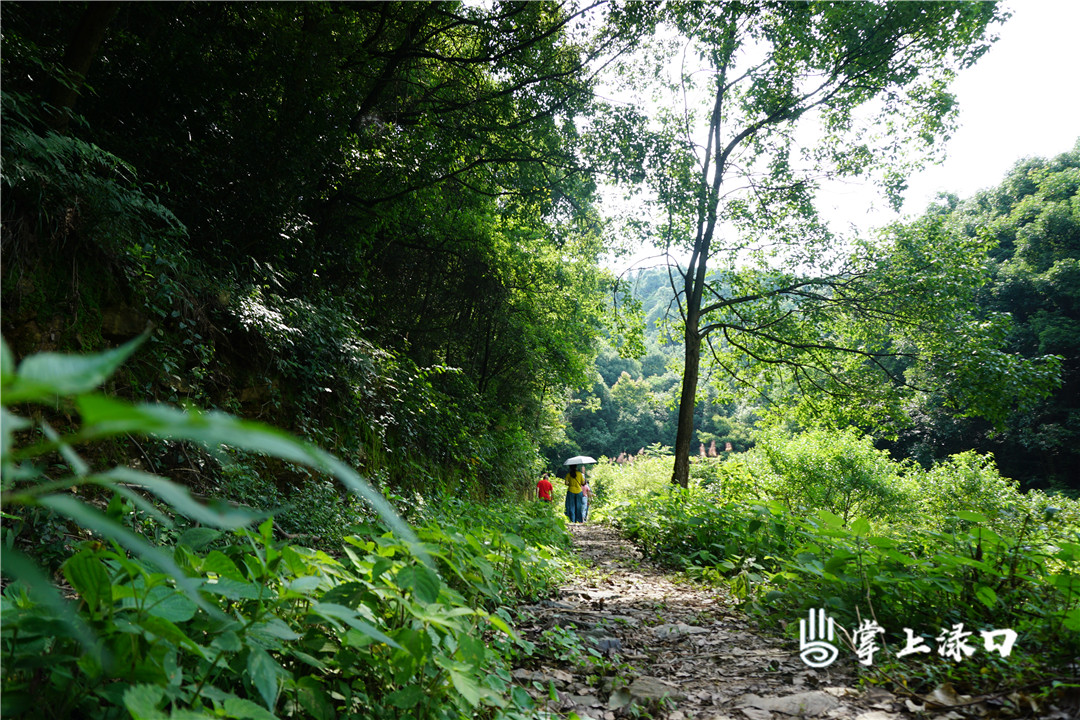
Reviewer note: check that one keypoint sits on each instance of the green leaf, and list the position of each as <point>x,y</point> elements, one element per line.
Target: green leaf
<point>423,582</point>
<point>19,567</point>
<point>197,538</point>
<point>92,519</point>
<point>87,574</point>
<point>275,627</point>
<point>467,685</point>
<point>41,377</point>
<point>227,587</point>
<point>860,527</point>
<point>265,674</point>
<point>169,604</point>
<point>242,709</point>
<point>142,702</point>
<point>502,625</point>
<point>986,596</point>
<point>221,564</point>
<point>227,641</point>
<point>830,520</point>
<point>332,612</point>
<point>971,516</point>
<point>306,585</point>
<point>407,697</point>
<point>162,628</point>
<point>313,698</point>
<point>471,651</point>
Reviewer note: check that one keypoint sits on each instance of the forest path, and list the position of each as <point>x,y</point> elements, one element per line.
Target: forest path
<point>686,641</point>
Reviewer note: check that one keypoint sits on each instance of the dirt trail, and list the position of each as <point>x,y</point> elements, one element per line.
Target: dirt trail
<point>683,642</point>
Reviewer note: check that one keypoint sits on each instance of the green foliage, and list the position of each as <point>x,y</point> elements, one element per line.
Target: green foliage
<point>387,239</point>
<point>228,620</point>
<point>1030,227</point>
<point>290,630</point>
<point>961,545</point>
<point>840,472</point>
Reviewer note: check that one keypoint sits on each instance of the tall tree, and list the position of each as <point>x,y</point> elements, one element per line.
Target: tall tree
<point>795,92</point>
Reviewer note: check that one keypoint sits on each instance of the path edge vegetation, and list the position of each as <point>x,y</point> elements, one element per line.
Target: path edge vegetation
<point>825,520</point>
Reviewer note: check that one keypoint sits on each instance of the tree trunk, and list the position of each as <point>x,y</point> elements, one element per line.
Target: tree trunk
<point>687,403</point>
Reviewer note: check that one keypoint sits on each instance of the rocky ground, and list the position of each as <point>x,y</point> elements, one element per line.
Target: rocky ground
<point>677,650</point>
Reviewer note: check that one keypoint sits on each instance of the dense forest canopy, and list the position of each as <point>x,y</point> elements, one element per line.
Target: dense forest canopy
<point>375,210</point>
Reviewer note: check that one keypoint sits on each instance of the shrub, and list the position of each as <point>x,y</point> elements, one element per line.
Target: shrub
<point>839,471</point>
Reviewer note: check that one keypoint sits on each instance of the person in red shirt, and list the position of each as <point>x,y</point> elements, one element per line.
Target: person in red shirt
<point>543,488</point>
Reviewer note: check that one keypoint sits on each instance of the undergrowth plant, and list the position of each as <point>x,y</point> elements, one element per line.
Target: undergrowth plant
<point>213,616</point>
<point>962,551</point>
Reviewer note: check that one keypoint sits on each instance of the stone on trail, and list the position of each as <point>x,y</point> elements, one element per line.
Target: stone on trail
<point>650,688</point>
<point>805,704</point>
<point>668,629</point>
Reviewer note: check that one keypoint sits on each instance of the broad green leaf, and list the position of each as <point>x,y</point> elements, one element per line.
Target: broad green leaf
<point>41,377</point>
<point>831,520</point>
<point>275,627</point>
<point>313,698</point>
<point>265,674</point>
<point>92,519</point>
<point>87,574</point>
<point>162,628</point>
<point>142,702</point>
<point>307,585</point>
<point>971,516</point>
<point>19,567</point>
<point>503,626</point>
<point>330,611</point>
<point>471,651</point>
<point>232,589</point>
<point>407,697</point>
<point>423,582</point>
<point>197,538</point>
<point>169,604</point>
<point>228,641</point>
<point>219,563</point>
<point>242,709</point>
<point>986,596</point>
<point>1072,620</point>
<point>860,526</point>
<point>466,685</point>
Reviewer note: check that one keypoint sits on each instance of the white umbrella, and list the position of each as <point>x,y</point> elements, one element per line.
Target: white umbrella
<point>580,460</point>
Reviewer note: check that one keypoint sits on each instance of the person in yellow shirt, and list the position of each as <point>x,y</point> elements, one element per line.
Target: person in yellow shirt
<point>575,482</point>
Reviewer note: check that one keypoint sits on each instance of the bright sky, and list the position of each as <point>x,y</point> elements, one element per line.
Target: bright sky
<point>1021,99</point>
